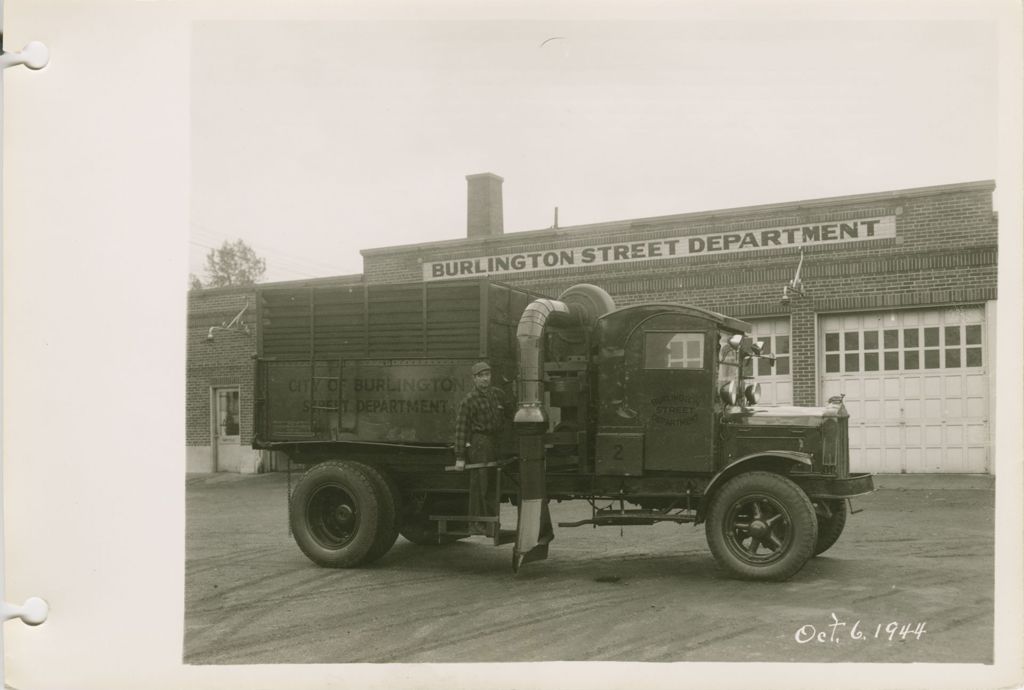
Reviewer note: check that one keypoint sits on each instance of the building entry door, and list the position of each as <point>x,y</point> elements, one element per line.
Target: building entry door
<point>227,445</point>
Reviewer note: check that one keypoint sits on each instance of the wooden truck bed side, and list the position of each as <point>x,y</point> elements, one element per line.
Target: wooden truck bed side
<point>384,363</point>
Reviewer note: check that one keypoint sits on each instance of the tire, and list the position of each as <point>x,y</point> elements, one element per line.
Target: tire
<point>761,526</point>
<point>336,514</point>
<point>389,500</point>
<point>420,530</point>
<point>829,528</point>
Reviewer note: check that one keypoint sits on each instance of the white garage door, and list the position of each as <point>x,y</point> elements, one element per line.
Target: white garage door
<point>916,388</point>
<point>776,382</point>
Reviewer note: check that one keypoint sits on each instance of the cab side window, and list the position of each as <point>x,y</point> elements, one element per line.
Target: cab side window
<point>671,350</point>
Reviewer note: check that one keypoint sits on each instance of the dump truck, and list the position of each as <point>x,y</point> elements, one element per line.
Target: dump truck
<point>648,412</point>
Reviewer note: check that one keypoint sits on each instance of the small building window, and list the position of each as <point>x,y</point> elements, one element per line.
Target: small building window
<point>673,350</point>
<point>227,413</point>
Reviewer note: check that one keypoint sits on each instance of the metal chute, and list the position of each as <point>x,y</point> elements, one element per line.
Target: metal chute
<point>581,305</point>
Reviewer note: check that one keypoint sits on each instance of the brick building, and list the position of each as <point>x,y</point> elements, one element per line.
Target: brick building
<point>896,311</point>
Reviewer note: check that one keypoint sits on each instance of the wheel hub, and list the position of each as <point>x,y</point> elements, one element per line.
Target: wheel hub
<point>343,516</point>
<point>759,529</point>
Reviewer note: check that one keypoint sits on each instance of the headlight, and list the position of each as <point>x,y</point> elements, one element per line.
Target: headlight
<point>728,392</point>
<point>752,392</point>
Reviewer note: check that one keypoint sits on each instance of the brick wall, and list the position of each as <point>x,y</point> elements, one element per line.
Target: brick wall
<point>224,361</point>
<point>947,219</point>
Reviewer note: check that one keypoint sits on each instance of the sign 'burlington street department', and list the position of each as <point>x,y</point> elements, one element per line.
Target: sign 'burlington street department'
<point>881,227</point>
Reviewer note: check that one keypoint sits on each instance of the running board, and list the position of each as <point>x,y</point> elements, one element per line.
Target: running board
<point>498,535</point>
<point>632,517</point>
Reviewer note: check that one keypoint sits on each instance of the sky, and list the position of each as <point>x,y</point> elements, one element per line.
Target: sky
<point>312,140</point>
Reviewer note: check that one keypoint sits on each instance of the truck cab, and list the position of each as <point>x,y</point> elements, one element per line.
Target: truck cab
<point>658,377</point>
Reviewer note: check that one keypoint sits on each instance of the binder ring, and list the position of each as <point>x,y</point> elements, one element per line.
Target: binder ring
<point>32,612</point>
<point>34,55</point>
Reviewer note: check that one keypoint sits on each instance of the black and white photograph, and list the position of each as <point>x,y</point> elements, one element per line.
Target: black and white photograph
<point>513,346</point>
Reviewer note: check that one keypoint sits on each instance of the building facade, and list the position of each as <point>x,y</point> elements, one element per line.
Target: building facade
<point>894,307</point>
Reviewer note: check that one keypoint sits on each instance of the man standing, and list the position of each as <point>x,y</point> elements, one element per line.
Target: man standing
<point>478,425</point>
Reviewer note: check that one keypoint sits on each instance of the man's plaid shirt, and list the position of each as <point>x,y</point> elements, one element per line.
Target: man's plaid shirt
<point>480,412</point>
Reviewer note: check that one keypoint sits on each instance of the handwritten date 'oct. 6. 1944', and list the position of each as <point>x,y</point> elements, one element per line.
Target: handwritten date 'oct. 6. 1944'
<point>841,631</point>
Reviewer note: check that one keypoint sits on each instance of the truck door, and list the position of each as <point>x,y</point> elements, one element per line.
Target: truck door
<point>669,383</point>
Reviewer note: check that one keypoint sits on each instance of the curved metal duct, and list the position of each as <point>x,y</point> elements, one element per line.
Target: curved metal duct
<point>583,302</point>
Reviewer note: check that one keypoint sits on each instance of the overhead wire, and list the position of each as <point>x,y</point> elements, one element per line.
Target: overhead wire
<point>281,257</point>
<point>271,263</point>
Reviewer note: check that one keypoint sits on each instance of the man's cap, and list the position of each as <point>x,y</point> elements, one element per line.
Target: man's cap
<point>480,367</point>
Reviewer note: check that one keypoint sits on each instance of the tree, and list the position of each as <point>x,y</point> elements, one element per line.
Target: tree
<point>235,263</point>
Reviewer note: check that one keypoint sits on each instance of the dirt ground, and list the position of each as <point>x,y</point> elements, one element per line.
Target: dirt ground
<point>910,580</point>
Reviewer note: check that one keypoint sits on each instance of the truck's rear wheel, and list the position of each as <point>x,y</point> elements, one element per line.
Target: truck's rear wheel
<point>761,526</point>
<point>830,527</point>
<point>389,502</point>
<point>335,515</point>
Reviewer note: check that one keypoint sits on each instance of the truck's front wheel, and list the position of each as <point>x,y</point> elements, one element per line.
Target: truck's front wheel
<point>335,513</point>
<point>830,526</point>
<point>761,526</point>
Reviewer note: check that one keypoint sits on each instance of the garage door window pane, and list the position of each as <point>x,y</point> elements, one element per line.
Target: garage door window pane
<point>952,335</point>
<point>892,339</point>
<point>931,359</point>
<point>852,362</point>
<point>974,335</point>
<point>781,343</point>
<point>764,367</point>
<point>974,356</point>
<point>674,350</point>
<point>892,361</point>
<point>831,342</point>
<point>831,363</point>
<point>910,338</point>
<point>931,337</point>
<point>870,361</point>
<point>910,359</point>
<point>870,340</point>
<point>953,359</point>
<point>851,341</point>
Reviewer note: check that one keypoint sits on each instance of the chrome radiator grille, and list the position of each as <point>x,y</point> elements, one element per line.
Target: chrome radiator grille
<point>843,451</point>
<point>836,446</point>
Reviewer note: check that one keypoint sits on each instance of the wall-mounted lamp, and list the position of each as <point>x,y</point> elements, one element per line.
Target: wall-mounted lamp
<point>237,325</point>
<point>795,286</point>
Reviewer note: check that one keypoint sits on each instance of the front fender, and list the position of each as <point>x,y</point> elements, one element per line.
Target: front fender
<point>781,458</point>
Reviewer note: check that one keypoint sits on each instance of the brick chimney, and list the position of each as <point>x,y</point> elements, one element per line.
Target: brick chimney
<point>484,216</point>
